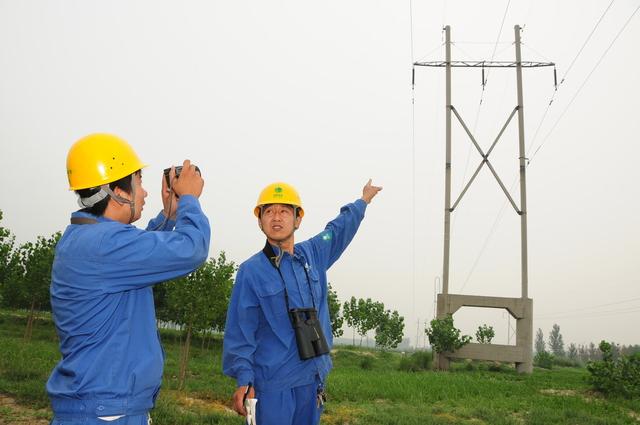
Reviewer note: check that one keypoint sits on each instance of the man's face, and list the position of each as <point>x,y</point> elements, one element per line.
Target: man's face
<point>140,195</point>
<point>278,222</point>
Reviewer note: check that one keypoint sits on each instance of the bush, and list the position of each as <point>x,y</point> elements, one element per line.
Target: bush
<point>416,362</point>
<point>444,336</point>
<point>366,363</point>
<point>485,366</point>
<point>543,360</point>
<point>615,376</point>
<point>485,334</point>
<point>565,362</point>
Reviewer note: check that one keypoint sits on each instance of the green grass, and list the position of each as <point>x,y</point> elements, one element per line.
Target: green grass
<point>365,387</point>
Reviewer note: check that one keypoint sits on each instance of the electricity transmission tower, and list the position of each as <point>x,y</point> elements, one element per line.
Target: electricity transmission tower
<point>520,308</point>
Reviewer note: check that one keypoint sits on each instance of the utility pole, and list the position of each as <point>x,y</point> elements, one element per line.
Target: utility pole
<point>523,167</point>
<point>447,172</point>
<point>522,307</point>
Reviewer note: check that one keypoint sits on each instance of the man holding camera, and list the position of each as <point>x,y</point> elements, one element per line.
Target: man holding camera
<point>102,277</point>
<point>278,333</point>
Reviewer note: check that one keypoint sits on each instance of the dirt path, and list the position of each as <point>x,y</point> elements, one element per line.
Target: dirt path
<point>17,414</point>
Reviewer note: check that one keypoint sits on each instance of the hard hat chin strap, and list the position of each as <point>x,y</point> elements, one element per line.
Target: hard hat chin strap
<point>105,191</point>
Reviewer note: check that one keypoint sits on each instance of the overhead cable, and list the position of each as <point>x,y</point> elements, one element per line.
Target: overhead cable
<point>585,81</point>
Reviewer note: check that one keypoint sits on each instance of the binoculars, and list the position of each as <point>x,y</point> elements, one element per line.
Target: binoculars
<point>309,336</point>
<point>178,168</point>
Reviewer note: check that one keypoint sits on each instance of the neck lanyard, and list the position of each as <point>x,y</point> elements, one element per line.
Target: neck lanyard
<point>274,261</point>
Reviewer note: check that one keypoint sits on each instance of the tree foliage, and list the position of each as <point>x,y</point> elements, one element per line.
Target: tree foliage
<point>7,263</point>
<point>198,302</point>
<point>444,336</point>
<point>485,334</point>
<point>334,312</point>
<point>362,315</point>
<point>390,330</point>
<point>367,315</point>
<point>615,376</point>
<point>573,352</point>
<point>543,359</point>
<point>556,345</point>
<point>540,345</point>
<point>29,279</point>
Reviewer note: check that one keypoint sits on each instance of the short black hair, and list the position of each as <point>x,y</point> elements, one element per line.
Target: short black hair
<point>99,208</point>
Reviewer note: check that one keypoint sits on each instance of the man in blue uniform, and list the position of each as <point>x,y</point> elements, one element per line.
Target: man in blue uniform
<point>101,283</point>
<point>278,333</point>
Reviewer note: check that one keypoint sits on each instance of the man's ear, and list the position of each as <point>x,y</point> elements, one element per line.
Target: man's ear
<point>121,193</point>
<point>297,222</point>
<point>260,224</point>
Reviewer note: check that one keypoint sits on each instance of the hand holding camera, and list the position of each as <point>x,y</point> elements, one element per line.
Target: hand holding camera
<point>184,180</point>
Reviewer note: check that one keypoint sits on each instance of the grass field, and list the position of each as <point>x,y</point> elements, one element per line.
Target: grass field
<point>380,394</point>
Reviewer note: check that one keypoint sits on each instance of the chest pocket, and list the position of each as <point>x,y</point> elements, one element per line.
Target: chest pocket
<point>272,301</point>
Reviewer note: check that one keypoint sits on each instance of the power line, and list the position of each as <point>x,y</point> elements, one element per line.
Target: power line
<point>592,315</point>
<point>495,47</point>
<point>586,41</point>
<point>585,82</point>
<point>438,47</point>
<point>600,306</point>
<point>484,82</point>
<point>562,79</point>
<point>498,218</point>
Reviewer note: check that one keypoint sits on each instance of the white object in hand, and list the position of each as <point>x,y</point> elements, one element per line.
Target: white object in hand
<point>250,406</point>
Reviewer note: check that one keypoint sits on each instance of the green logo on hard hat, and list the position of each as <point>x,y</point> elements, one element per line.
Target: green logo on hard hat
<point>278,192</point>
<point>278,189</point>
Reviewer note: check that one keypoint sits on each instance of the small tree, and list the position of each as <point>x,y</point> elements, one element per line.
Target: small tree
<point>485,334</point>
<point>615,376</point>
<point>350,314</point>
<point>390,330</point>
<point>363,315</point>
<point>7,243</point>
<point>556,345</point>
<point>444,336</point>
<point>543,359</point>
<point>28,285</point>
<point>540,345</point>
<point>573,352</point>
<point>198,302</point>
<point>334,312</point>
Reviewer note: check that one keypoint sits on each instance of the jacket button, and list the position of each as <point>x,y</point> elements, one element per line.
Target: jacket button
<point>100,407</point>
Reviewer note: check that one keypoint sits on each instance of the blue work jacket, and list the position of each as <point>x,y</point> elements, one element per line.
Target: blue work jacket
<point>102,304</point>
<point>259,340</point>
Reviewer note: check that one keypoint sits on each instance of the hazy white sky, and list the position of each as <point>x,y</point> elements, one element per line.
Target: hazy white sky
<point>318,94</point>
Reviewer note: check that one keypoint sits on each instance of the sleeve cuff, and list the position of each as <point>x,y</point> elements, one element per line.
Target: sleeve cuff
<point>244,378</point>
<point>361,205</point>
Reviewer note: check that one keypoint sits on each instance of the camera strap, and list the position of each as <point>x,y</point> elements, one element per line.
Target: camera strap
<point>273,260</point>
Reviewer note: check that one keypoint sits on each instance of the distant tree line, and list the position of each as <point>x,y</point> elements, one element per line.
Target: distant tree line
<point>552,351</point>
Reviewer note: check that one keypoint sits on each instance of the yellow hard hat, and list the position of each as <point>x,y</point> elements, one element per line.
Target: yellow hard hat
<point>99,159</point>
<point>279,193</point>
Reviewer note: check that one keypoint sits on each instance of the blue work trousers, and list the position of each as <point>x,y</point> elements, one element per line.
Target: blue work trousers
<point>293,406</point>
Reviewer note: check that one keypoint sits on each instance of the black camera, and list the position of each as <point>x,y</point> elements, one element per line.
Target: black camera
<point>309,336</point>
<point>167,172</point>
